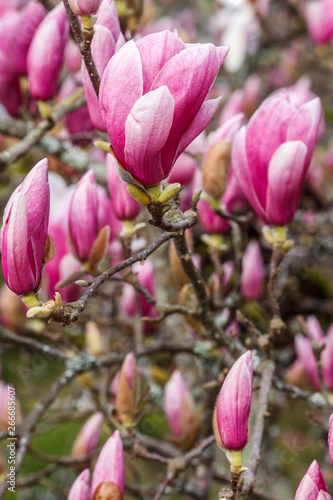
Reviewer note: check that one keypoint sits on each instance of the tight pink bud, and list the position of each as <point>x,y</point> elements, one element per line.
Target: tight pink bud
<point>46,54</point>
<point>233,405</point>
<point>88,437</point>
<point>304,353</point>
<point>211,223</point>
<point>152,98</point>
<point>80,489</point>
<point>124,206</point>
<point>110,466</point>
<point>179,407</point>
<point>311,484</point>
<point>319,20</point>
<point>84,7</point>
<point>253,272</point>
<point>272,154</point>
<point>85,215</point>
<point>24,231</point>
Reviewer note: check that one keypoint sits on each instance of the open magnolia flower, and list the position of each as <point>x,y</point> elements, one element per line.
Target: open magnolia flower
<point>152,98</point>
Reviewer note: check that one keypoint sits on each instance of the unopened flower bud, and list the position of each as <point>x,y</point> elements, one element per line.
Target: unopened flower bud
<point>109,468</point>
<point>95,341</point>
<point>88,438</point>
<point>84,7</point>
<point>253,272</point>
<point>311,484</point>
<point>179,408</point>
<point>46,54</point>
<point>128,389</point>
<point>80,489</point>
<point>233,406</point>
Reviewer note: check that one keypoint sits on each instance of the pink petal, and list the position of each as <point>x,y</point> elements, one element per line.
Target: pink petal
<point>110,464</point>
<point>242,172</point>
<point>147,129</point>
<point>122,77</point>
<point>305,127</point>
<point>285,178</point>
<point>200,122</point>
<point>155,51</point>
<point>198,66</point>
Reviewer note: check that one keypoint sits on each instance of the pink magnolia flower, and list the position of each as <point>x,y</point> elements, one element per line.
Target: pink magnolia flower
<point>233,405</point>
<point>319,20</point>
<point>46,54</point>
<point>110,466</point>
<point>271,157</point>
<point>80,489</point>
<point>88,438</point>
<point>311,484</point>
<point>152,98</point>
<point>253,272</point>
<point>84,7</point>
<point>124,205</point>
<point>24,231</point>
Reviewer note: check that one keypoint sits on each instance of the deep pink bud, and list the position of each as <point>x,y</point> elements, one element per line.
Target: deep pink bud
<point>183,170</point>
<point>253,272</point>
<point>146,279</point>
<point>233,405</point>
<point>271,157</point>
<point>10,89</point>
<point>46,54</point>
<point>153,104</point>
<point>211,223</point>
<point>326,360</point>
<point>24,231</point>
<point>84,216</point>
<point>110,465</point>
<point>311,484</point>
<point>304,353</point>
<point>103,47</point>
<point>80,489</point>
<point>84,7</point>
<point>20,36</point>
<point>124,205</point>
<point>88,438</point>
<point>319,20</point>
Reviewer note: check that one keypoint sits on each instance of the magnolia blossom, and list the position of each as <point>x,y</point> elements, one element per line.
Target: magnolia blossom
<point>152,98</point>
<point>272,154</point>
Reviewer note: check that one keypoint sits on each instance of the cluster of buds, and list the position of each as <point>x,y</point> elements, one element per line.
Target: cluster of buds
<point>108,479</point>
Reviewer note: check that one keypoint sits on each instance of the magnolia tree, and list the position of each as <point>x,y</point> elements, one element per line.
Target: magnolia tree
<point>166,252</point>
